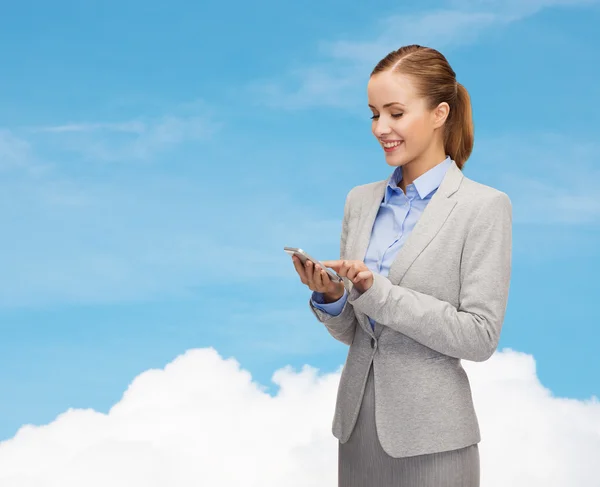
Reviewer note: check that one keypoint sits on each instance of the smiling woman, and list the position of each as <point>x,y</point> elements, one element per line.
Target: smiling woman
<point>430,115</point>
<point>425,258</point>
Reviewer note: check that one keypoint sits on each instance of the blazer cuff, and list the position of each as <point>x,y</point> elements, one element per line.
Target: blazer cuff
<point>371,301</point>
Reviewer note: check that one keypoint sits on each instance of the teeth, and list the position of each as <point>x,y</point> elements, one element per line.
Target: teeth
<point>391,144</point>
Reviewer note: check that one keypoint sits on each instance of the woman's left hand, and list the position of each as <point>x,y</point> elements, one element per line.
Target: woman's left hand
<point>355,270</point>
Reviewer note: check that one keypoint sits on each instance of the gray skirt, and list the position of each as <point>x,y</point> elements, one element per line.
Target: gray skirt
<point>363,462</point>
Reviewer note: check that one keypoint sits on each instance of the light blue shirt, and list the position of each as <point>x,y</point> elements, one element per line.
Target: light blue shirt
<point>395,220</point>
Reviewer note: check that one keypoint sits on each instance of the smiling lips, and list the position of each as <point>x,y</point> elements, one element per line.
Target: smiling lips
<point>389,146</point>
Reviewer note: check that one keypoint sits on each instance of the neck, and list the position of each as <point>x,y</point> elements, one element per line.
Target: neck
<point>420,165</point>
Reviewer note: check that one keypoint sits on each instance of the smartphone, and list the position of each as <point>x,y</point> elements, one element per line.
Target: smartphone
<point>303,256</point>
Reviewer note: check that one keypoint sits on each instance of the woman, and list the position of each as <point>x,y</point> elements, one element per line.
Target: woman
<point>425,258</point>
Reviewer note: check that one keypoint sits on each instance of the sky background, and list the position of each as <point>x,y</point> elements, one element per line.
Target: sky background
<point>155,158</point>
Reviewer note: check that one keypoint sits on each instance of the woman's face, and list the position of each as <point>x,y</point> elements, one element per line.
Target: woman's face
<point>408,123</point>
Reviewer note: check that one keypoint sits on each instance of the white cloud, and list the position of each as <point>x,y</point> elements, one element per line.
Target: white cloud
<point>14,151</point>
<point>435,28</point>
<point>17,155</point>
<point>202,421</point>
<point>134,126</point>
<point>188,424</point>
<point>340,80</point>
<point>136,139</point>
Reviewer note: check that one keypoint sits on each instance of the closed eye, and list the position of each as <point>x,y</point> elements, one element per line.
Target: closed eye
<point>395,115</point>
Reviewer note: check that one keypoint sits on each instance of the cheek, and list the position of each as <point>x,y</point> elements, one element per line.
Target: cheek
<point>414,130</point>
<point>407,129</point>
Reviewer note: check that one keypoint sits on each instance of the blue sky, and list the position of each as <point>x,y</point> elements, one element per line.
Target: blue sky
<point>155,158</point>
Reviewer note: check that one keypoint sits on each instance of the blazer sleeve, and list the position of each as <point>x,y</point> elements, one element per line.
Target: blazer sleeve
<point>341,326</point>
<point>472,330</point>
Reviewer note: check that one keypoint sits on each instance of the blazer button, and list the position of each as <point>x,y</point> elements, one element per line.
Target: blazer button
<point>372,342</point>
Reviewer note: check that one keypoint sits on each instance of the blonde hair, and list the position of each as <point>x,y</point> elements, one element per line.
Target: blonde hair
<point>435,81</point>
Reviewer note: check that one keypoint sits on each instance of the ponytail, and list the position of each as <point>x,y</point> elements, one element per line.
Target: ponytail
<point>459,129</point>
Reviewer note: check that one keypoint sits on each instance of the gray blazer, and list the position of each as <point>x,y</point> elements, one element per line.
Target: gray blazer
<point>444,300</point>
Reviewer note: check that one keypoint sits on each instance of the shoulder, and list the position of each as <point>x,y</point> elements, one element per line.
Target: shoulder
<point>477,199</point>
<point>474,192</point>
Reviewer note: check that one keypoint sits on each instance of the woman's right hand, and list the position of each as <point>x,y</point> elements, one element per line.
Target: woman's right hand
<point>318,280</point>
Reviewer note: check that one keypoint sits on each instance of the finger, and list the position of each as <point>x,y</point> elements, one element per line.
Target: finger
<point>351,272</point>
<point>342,268</point>
<point>356,269</point>
<point>361,276</point>
<point>334,264</point>
<point>309,273</point>
<point>299,269</point>
<point>318,278</point>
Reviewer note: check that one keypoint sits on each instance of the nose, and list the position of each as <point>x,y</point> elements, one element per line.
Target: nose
<point>380,128</point>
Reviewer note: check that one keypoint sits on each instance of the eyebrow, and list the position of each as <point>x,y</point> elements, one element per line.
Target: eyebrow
<point>390,104</point>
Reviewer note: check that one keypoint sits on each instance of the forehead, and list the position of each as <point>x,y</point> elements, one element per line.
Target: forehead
<point>386,87</point>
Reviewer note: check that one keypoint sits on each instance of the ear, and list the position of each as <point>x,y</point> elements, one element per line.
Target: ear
<point>440,114</point>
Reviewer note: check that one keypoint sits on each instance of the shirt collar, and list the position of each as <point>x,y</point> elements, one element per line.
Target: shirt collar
<point>424,184</point>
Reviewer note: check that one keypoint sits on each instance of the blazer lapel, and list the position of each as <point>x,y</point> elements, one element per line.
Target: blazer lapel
<point>435,214</point>
<point>429,224</point>
<point>370,207</point>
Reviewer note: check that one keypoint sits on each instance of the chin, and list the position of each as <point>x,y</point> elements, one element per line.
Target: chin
<point>397,161</point>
